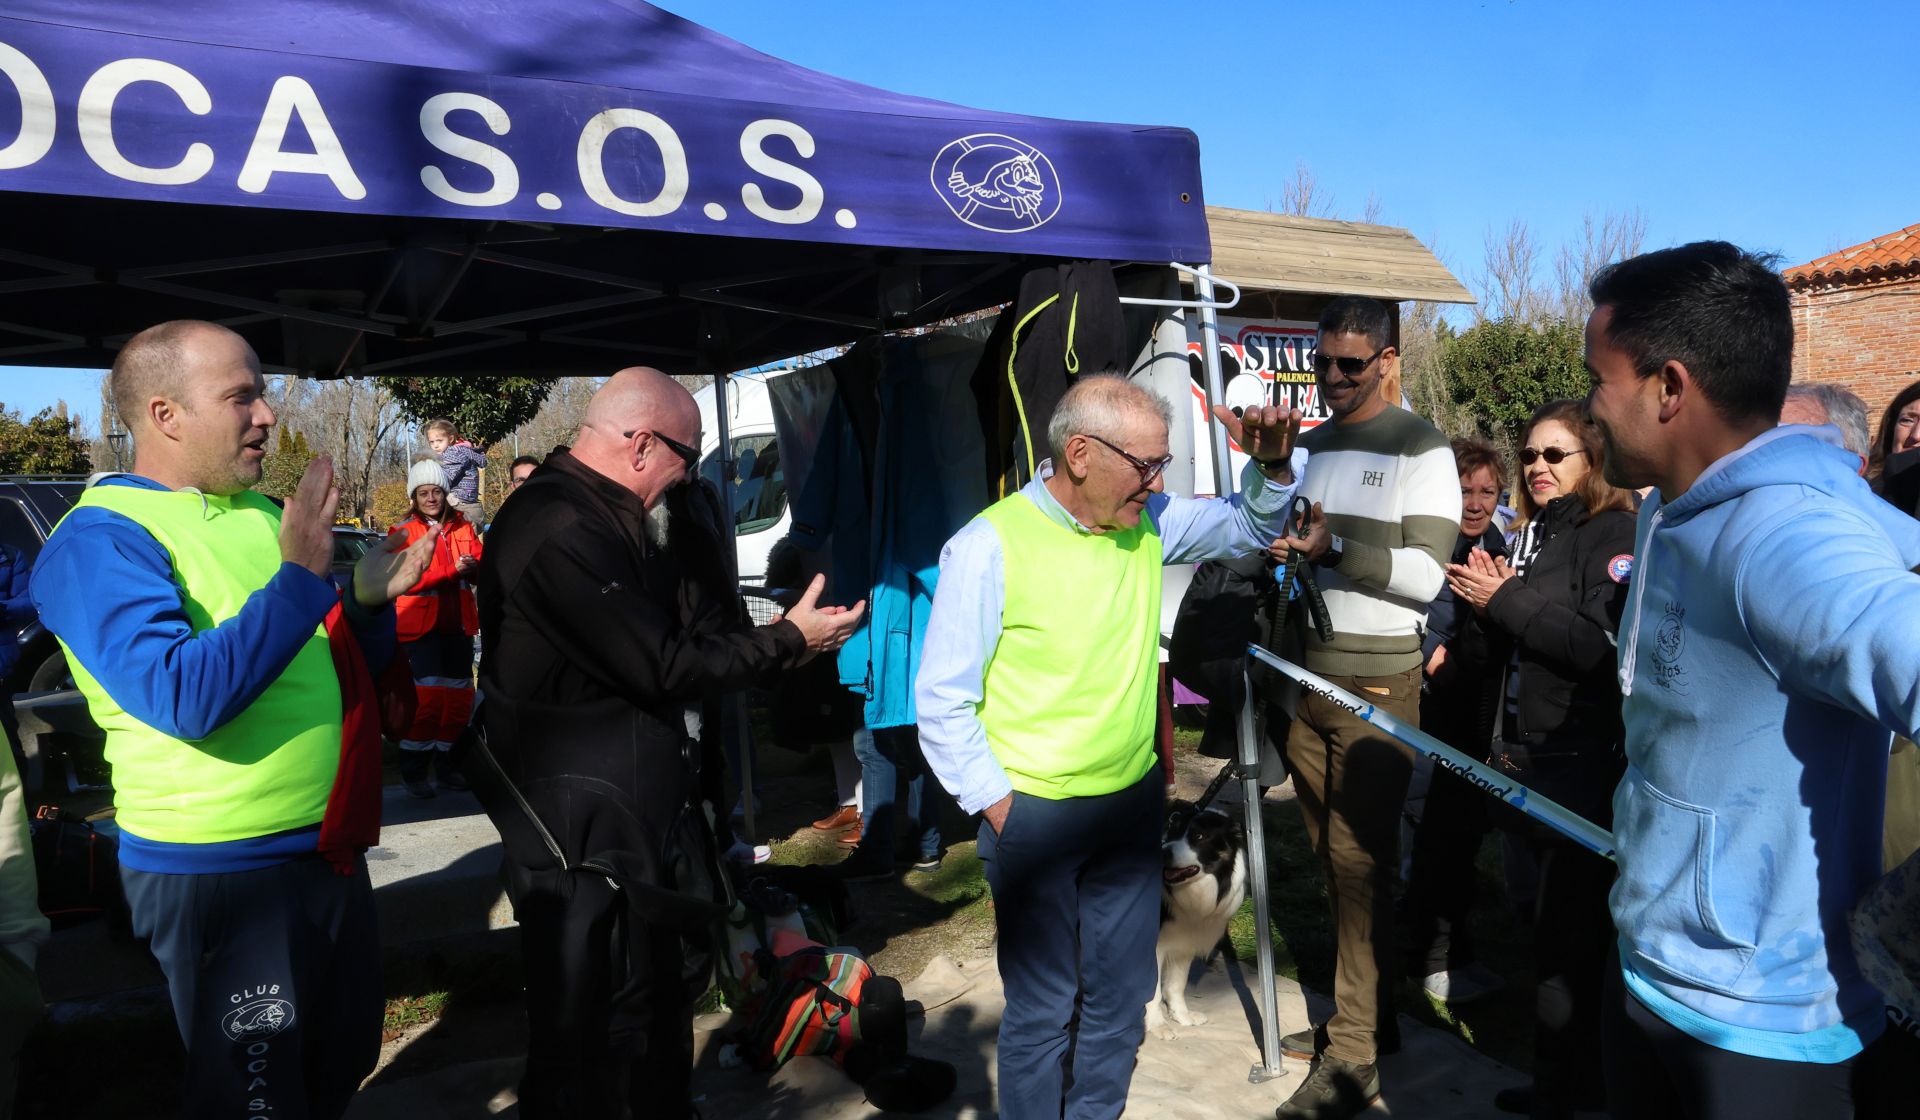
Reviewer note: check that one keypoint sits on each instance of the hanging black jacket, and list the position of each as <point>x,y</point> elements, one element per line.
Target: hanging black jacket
<point>1562,615</point>
<point>1067,321</point>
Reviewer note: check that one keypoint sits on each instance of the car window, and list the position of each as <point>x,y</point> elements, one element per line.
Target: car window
<point>17,528</point>
<point>760,494</point>
<point>53,499</point>
<point>348,548</point>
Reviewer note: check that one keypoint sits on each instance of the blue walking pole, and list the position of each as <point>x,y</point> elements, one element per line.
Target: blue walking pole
<point>1479,774</point>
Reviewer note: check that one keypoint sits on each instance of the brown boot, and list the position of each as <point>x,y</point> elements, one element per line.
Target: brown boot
<point>851,837</point>
<point>840,818</point>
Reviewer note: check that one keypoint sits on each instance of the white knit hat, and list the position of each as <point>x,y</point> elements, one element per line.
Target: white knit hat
<point>426,472</point>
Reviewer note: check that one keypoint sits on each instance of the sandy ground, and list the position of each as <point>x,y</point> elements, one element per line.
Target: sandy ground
<point>1200,1073</point>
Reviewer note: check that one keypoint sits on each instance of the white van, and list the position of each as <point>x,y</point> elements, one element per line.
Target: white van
<point>760,499</point>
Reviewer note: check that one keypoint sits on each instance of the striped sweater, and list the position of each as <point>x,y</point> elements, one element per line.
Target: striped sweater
<point>1390,489</point>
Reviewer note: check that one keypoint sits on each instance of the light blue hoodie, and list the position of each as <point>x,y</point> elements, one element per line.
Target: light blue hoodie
<point>1771,638</point>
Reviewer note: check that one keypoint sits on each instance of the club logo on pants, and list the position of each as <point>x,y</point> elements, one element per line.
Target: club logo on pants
<point>261,1018</point>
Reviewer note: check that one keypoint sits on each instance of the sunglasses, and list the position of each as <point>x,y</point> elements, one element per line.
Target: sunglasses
<point>1149,469</point>
<point>1553,455</point>
<point>690,455</point>
<point>1349,366</point>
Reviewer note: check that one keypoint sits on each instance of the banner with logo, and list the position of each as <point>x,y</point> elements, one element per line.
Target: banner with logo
<point>1264,362</point>
<point>583,112</point>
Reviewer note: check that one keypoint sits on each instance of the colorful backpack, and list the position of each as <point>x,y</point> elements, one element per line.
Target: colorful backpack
<point>810,1002</point>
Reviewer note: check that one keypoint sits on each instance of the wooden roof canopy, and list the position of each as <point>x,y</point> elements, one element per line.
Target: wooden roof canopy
<point>1282,253</point>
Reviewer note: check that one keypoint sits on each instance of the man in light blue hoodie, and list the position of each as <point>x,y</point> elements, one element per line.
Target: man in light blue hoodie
<point>1768,646</point>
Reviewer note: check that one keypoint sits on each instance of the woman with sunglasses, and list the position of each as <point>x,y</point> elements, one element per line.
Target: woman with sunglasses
<point>1556,607</point>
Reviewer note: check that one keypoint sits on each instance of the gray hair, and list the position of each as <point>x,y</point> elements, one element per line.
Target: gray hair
<point>1844,411</point>
<point>1098,403</point>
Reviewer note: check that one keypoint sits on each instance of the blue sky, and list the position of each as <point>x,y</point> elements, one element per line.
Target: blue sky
<point>1783,126</point>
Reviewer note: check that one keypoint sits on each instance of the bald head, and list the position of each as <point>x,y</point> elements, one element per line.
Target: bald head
<point>625,420</point>
<point>193,397</point>
<point>158,362</point>
<point>639,397</point>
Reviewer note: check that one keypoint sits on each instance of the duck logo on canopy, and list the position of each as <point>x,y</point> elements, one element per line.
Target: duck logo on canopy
<point>997,183</point>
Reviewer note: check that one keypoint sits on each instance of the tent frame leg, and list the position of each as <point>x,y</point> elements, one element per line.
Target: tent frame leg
<point>1268,1068</point>
<point>737,702</point>
<point>1249,751</point>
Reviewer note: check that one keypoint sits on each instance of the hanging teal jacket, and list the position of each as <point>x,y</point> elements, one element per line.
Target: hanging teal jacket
<point>885,545</point>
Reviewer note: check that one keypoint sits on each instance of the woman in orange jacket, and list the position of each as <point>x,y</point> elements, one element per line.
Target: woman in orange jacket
<point>437,620</point>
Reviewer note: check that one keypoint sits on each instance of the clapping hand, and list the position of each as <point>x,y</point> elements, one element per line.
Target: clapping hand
<point>1478,580</point>
<point>306,519</point>
<point>392,566</point>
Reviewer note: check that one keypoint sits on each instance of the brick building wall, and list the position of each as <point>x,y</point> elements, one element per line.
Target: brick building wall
<point>1863,336</point>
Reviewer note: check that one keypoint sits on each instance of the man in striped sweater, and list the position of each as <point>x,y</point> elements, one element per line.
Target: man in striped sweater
<point>1385,515</point>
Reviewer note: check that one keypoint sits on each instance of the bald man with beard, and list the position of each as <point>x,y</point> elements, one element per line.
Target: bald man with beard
<point>587,661</point>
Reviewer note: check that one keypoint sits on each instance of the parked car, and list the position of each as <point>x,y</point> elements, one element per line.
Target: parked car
<point>349,545</point>
<point>30,506</point>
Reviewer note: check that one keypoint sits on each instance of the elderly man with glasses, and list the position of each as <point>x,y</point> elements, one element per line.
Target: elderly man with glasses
<point>1036,700</point>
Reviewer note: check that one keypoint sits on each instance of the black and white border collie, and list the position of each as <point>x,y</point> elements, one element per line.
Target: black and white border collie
<point>1203,883</point>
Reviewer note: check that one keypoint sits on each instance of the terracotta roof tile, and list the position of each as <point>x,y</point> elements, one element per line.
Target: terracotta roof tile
<point>1892,252</point>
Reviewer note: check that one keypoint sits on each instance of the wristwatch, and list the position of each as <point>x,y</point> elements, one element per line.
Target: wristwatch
<point>1336,551</point>
<point>1270,467</point>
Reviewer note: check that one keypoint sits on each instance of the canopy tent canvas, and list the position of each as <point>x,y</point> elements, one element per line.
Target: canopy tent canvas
<point>557,186</point>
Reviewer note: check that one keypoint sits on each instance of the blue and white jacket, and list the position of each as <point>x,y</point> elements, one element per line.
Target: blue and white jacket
<point>1769,644</point>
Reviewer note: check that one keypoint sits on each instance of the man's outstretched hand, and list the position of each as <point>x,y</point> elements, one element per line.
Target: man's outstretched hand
<point>1267,432</point>
<point>825,628</point>
<point>392,566</point>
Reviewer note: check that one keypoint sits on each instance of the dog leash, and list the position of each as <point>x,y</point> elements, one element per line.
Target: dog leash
<point>1214,787</point>
<point>1294,568</point>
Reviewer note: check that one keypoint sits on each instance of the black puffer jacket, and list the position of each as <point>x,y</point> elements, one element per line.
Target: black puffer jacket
<point>1561,616</point>
<point>1456,704</point>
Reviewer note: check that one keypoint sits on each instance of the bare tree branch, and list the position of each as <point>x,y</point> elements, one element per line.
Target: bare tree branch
<point>1508,287</point>
<point>1615,237</point>
<point>1302,197</point>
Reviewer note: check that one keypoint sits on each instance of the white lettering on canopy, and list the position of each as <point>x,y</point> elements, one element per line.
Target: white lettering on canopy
<point>433,125</point>
<point>753,150</point>
<point>293,97</point>
<point>593,171</point>
<point>36,111</point>
<point>97,99</point>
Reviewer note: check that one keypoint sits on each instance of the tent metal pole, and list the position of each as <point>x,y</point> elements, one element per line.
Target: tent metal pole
<point>736,704</point>
<point>1269,1065</point>
<point>1249,752</point>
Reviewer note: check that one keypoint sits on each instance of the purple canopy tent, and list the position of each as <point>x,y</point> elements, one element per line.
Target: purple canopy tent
<point>544,186</point>
<point>556,186</point>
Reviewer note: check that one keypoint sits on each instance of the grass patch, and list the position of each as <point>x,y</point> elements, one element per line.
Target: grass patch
<point>411,1011</point>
